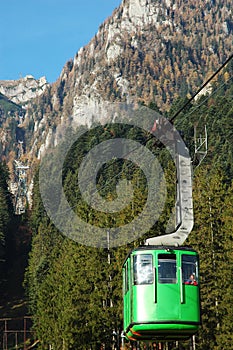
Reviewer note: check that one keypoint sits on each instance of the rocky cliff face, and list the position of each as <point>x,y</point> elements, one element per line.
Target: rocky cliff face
<point>23,90</point>
<point>148,50</point>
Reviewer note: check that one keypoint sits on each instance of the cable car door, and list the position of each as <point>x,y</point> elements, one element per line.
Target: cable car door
<point>168,289</point>
<point>143,290</point>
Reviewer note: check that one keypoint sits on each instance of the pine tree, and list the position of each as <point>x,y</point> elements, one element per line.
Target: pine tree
<point>224,336</point>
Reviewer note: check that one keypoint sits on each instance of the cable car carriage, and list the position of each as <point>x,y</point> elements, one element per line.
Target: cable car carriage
<point>160,279</point>
<point>161,293</point>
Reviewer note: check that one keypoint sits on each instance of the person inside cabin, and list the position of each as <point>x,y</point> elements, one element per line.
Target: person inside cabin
<point>191,280</point>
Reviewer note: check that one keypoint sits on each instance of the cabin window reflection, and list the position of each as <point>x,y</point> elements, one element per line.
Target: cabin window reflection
<point>143,269</point>
<point>167,268</point>
<point>190,269</point>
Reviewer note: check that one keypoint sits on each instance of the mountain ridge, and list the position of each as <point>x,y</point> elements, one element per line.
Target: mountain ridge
<point>24,89</point>
<point>146,51</point>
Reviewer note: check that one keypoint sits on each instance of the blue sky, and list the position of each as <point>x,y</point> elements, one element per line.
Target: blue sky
<point>37,37</point>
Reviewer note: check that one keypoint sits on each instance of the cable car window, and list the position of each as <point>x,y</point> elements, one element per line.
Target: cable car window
<point>190,269</point>
<point>143,269</point>
<point>167,268</point>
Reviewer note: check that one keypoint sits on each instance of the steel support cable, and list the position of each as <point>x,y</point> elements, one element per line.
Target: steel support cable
<point>208,97</point>
<point>201,88</point>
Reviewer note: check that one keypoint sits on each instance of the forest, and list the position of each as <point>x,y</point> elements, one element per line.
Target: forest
<point>74,291</point>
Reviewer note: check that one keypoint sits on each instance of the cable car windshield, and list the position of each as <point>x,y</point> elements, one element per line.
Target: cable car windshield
<point>143,269</point>
<point>167,268</point>
<point>190,269</point>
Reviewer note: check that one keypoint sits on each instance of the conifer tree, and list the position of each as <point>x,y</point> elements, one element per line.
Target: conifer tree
<point>224,337</point>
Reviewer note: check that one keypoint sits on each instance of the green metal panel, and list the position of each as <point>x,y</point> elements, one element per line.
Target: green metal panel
<point>143,307</point>
<point>168,305</point>
<point>190,310</point>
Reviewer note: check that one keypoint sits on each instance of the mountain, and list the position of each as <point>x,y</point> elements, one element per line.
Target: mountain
<point>10,114</point>
<point>22,90</point>
<point>147,51</point>
<point>14,97</point>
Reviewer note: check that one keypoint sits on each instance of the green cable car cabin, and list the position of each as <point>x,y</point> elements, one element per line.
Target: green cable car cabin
<point>160,279</point>
<point>161,293</point>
